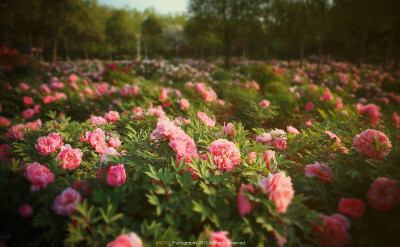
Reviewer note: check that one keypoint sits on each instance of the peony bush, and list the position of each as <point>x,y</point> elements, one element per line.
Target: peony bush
<point>147,153</point>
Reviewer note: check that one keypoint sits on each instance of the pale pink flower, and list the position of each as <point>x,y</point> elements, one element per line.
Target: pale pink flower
<point>264,103</point>
<point>167,129</point>
<point>265,138</point>
<point>24,86</point>
<point>251,157</point>
<point>228,130</point>
<point>205,119</point>
<point>319,170</point>
<point>108,152</point>
<point>164,94</point>
<point>114,142</point>
<point>101,146</point>
<point>292,130</point>
<point>332,232</point>
<point>181,120</point>
<point>384,194</point>
<point>158,112</point>
<point>49,144</point>
<point>126,240</point>
<point>220,239</point>
<point>71,158</point>
<point>184,103</point>
<point>39,175</point>
<point>278,133</point>
<point>372,143</point>
<point>112,116</point>
<point>97,120</point>
<point>244,205</point>
<point>66,202</point>
<point>331,136</point>
<point>25,211</point>
<point>116,175</point>
<point>279,189</point>
<point>225,154</point>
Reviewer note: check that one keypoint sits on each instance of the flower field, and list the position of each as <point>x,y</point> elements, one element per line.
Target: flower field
<point>174,153</point>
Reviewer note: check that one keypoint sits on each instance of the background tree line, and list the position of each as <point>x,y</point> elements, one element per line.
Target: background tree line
<point>352,30</point>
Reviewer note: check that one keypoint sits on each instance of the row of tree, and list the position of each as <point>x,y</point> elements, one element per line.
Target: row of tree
<point>354,30</point>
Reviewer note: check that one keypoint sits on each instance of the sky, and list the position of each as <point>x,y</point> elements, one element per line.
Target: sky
<point>161,6</point>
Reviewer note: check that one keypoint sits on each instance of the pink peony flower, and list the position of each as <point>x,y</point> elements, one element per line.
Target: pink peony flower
<point>332,232</point>
<point>39,175</point>
<point>269,157</point>
<point>352,207</point>
<point>181,120</point>
<point>279,189</point>
<point>331,136</point>
<point>280,144</point>
<point>244,205</point>
<point>319,170</point>
<point>101,147</point>
<point>49,144</point>
<point>71,158</point>
<point>25,211</point>
<point>309,106</point>
<point>396,119</point>
<point>265,138</point>
<point>16,132</point>
<point>116,175</point>
<point>384,194</point>
<point>264,103</point>
<point>114,142</point>
<point>108,152</point>
<point>225,154</point>
<point>73,78</point>
<point>112,116</point>
<point>167,129</point>
<point>251,157</point>
<point>164,94</point>
<point>126,240</point>
<point>184,103</point>
<point>220,239</point>
<point>96,137</point>
<point>5,152</point>
<point>66,202</point>
<point>24,86</point>
<point>28,113</point>
<point>4,122</point>
<point>28,101</point>
<point>228,130</point>
<point>372,111</point>
<point>185,148</point>
<point>372,143</point>
<point>327,96</point>
<point>205,119</point>
<point>292,130</point>
<point>97,120</point>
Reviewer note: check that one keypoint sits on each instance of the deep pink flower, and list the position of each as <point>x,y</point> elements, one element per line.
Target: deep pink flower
<point>5,152</point>
<point>126,240</point>
<point>279,189</point>
<point>96,137</point>
<point>396,119</point>
<point>384,194</point>
<point>73,78</point>
<point>327,96</point>
<point>372,110</point>
<point>16,132</point>
<point>351,206</point>
<point>309,106</point>
<point>116,175</point>
<point>97,120</point>
<point>372,143</point>
<point>25,211</point>
<point>28,101</point>
<point>280,144</point>
<point>220,239</point>
<point>4,122</point>
<point>319,170</point>
<point>332,232</point>
<point>184,147</point>
<point>71,158</point>
<point>49,144</point>
<point>28,113</point>
<point>66,202</point>
<point>244,205</point>
<point>225,154</point>
<point>112,116</point>
<point>39,175</point>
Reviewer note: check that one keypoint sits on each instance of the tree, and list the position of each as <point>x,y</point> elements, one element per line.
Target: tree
<point>173,36</point>
<point>150,29</point>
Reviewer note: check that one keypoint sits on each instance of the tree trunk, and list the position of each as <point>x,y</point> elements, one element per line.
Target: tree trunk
<point>86,52</point>
<point>66,48</point>
<point>109,51</point>
<point>145,50</point>
<point>54,49</point>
